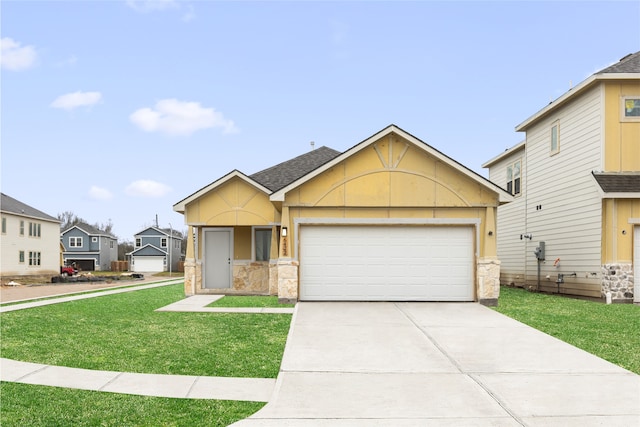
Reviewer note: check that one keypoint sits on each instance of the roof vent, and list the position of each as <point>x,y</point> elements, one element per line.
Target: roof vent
<point>313,145</point>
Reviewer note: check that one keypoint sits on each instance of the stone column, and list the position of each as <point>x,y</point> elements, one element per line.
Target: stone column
<point>287,281</point>
<point>488,278</point>
<point>189,276</point>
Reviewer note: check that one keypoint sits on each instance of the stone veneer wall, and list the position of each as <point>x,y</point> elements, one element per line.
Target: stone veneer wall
<point>288,281</point>
<point>488,279</point>
<point>251,277</point>
<point>192,271</point>
<point>618,279</point>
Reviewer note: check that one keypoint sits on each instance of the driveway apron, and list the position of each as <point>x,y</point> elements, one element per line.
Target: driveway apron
<point>438,364</point>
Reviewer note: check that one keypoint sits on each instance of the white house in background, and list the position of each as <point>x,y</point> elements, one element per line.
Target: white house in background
<point>156,249</point>
<point>576,186</point>
<point>30,240</point>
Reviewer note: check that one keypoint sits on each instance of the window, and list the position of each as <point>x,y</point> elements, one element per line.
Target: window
<point>34,258</point>
<point>163,242</point>
<point>111,244</point>
<point>94,239</point>
<point>4,225</point>
<point>22,228</point>
<point>555,138</point>
<point>21,257</point>
<point>262,244</point>
<point>630,111</point>
<point>34,229</point>
<point>138,242</point>
<point>75,242</point>
<point>513,178</point>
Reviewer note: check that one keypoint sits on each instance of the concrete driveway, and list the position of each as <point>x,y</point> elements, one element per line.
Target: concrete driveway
<point>439,364</point>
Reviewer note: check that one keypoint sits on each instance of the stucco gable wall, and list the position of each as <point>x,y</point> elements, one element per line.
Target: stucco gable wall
<point>392,173</point>
<point>233,203</point>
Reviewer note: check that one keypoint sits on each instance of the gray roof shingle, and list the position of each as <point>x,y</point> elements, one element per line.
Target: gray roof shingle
<point>283,174</point>
<point>628,64</point>
<point>624,182</point>
<point>10,205</point>
<point>89,229</point>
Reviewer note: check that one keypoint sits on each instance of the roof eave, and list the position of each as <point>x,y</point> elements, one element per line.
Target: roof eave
<point>181,205</point>
<point>506,153</point>
<point>572,93</point>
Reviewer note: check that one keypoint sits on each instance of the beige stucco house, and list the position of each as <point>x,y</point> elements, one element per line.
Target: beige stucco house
<point>390,219</point>
<point>576,184</point>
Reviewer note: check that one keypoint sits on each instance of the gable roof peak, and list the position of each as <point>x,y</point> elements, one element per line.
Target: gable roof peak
<point>627,64</point>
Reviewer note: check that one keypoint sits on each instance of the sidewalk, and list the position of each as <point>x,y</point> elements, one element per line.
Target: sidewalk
<point>176,386</point>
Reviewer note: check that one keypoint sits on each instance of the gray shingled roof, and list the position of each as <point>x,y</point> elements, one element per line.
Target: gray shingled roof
<point>90,230</point>
<point>628,64</point>
<point>618,182</point>
<point>11,205</point>
<point>283,174</point>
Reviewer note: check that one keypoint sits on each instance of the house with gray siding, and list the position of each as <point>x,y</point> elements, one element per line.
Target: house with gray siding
<point>89,248</point>
<point>156,249</point>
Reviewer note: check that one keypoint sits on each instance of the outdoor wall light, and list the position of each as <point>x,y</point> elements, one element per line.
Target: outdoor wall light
<point>284,231</point>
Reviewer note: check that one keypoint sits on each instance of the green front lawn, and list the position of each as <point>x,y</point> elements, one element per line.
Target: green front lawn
<point>611,332</point>
<point>41,406</point>
<point>123,333</point>
<point>249,301</point>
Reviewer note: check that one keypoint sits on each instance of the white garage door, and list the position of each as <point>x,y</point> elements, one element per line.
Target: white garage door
<point>386,263</point>
<point>148,264</point>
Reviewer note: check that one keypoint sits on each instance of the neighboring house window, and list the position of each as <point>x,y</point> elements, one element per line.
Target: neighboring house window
<point>630,109</point>
<point>21,257</point>
<point>94,239</point>
<point>176,244</point>
<point>34,229</point>
<point>75,242</point>
<point>138,242</point>
<point>111,244</point>
<point>34,258</point>
<point>163,242</point>
<point>513,178</point>
<point>555,138</point>
<point>262,244</point>
<point>4,225</point>
<point>22,228</point>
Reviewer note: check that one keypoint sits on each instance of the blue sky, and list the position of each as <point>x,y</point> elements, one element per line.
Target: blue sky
<point>116,110</point>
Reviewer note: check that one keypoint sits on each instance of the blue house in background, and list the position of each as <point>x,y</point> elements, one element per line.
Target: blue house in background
<point>156,249</point>
<point>89,248</point>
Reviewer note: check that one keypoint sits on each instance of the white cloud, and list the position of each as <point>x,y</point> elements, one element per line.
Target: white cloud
<point>70,61</point>
<point>146,6</point>
<point>76,99</point>
<point>98,193</point>
<point>14,57</point>
<point>175,117</point>
<point>147,188</point>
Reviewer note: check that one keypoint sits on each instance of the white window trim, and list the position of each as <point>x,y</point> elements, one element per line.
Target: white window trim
<point>253,240</point>
<point>556,125</point>
<point>512,166</point>
<point>76,240</point>
<point>163,242</point>
<point>138,242</point>
<point>623,117</point>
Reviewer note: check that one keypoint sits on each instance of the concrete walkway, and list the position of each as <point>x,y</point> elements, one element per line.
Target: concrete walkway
<point>439,364</point>
<point>176,386</point>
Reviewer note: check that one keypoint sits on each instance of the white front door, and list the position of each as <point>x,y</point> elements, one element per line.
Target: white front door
<point>387,263</point>
<point>217,258</point>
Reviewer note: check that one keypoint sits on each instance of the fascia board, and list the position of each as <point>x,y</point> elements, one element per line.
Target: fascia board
<point>574,92</point>
<point>181,205</point>
<point>506,153</point>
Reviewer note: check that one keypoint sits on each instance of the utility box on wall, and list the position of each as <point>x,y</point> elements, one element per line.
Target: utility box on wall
<point>539,251</point>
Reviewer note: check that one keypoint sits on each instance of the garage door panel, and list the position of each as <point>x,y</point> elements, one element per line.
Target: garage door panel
<point>386,263</point>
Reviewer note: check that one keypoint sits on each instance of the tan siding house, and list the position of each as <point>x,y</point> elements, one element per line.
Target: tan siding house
<point>581,189</point>
<point>30,240</point>
<point>390,219</point>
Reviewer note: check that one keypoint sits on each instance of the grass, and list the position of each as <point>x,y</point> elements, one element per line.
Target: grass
<point>607,331</point>
<point>123,333</point>
<point>35,406</point>
<point>249,301</point>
